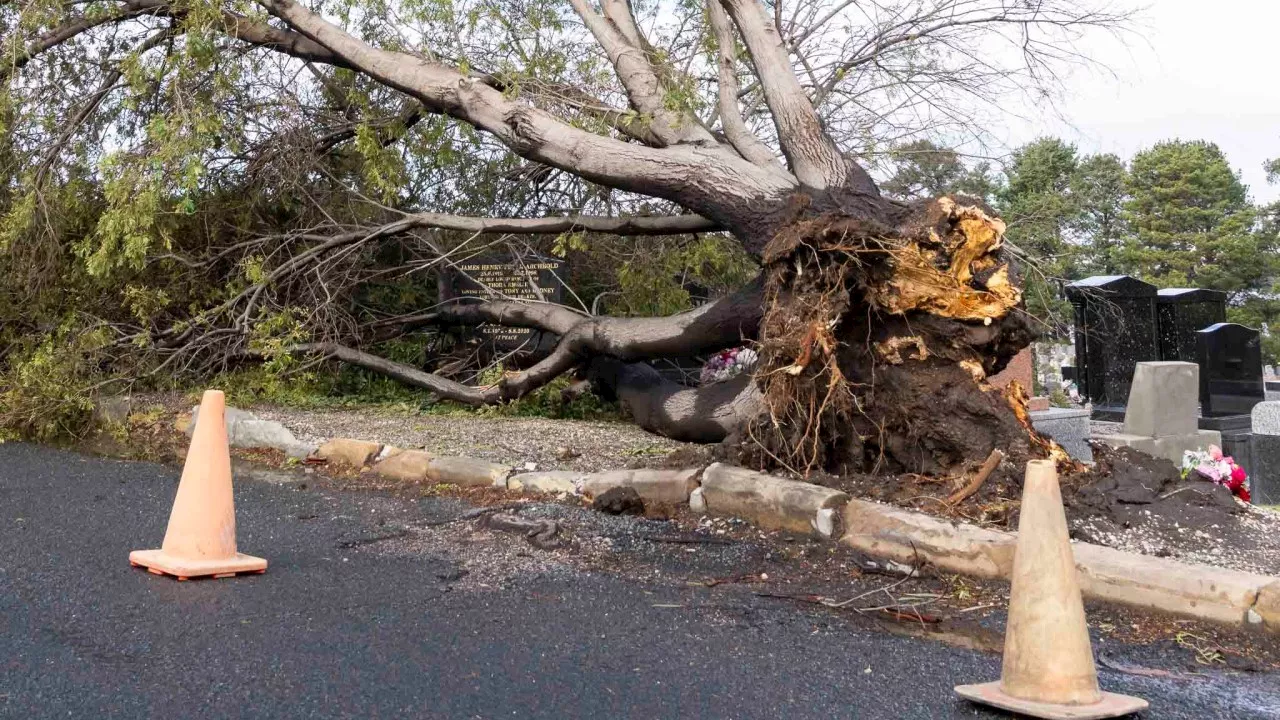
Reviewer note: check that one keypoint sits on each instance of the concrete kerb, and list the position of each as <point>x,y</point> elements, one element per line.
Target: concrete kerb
<point>770,502</point>
<point>1194,591</point>
<point>1183,589</point>
<point>662,487</point>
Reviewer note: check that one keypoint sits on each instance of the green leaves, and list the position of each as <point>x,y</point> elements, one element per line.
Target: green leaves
<point>926,169</point>
<point>1191,222</point>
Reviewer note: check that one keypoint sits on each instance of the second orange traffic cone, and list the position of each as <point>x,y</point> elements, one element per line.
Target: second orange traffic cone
<point>201,537</point>
<point>1048,667</point>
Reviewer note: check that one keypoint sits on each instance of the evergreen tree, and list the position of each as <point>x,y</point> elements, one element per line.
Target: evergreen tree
<point>1097,222</point>
<point>1036,203</point>
<point>927,169</point>
<point>1192,223</point>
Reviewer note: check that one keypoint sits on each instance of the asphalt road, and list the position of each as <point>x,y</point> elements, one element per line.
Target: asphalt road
<point>357,619</point>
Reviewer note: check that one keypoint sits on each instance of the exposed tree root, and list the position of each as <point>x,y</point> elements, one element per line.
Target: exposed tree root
<point>877,339</point>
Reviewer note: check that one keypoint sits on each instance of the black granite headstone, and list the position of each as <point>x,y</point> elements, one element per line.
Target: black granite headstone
<point>1181,313</point>
<point>530,278</point>
<point>1230,358</point>
<point>1115,329</point>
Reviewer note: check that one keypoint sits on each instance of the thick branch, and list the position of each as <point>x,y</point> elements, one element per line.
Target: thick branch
<point>706,414</point>
<point>69,30</point>
<point>639,76</point>
<point>716,325</point>
<point>636,225</point>
<point>714,182</point>
<point>735,129</point>
<point>407,374</point>
<point>235,25</point>
<point>813,156</point>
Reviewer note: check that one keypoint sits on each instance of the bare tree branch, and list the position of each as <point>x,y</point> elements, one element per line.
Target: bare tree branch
<point>735,129</point>
<point>639,76</point>
<point>706,180</point>
<point>812,155</point>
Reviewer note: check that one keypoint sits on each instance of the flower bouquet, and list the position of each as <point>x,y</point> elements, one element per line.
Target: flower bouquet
<point>1213,466</point>
<point>726,364</point>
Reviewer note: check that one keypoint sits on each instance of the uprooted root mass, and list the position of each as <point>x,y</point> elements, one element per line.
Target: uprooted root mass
<point>877,341</point>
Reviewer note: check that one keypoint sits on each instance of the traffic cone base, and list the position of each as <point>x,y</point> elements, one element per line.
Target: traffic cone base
<point>1111,705</point>
<point>161,563</point>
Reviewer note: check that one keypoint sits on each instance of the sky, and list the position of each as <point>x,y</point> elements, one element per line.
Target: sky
<point>1191,69</point>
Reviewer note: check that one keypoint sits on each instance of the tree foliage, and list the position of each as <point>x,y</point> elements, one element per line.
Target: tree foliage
<point>192,186</point>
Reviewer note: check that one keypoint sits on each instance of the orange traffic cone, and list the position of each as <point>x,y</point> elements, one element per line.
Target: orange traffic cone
<point>201,538</point>
<point>1048,667</point>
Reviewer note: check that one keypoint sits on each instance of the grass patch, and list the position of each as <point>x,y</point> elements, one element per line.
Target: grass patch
<point>350,388</point>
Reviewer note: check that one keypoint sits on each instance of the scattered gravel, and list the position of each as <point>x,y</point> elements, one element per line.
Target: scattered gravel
<point>1101,427</point>
<point>1251,542</point>
<point>578,445</point>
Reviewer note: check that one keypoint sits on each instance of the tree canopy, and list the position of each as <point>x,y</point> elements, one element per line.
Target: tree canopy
<point>193,187</point>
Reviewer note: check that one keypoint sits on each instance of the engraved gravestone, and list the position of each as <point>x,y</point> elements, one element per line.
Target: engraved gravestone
<point>1115,329</point>
<point>530,278</point>
<point>1230,358</point>
<point>1181,313</point>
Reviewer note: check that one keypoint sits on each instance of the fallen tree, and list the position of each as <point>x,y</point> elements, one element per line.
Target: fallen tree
<point>876,321</point>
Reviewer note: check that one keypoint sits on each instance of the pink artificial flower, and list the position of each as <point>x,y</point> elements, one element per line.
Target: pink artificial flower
<point>1229,460</point>
<point>1238,474</point>
<point>1215,452</point>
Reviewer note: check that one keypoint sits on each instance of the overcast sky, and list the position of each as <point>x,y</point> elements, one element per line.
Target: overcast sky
<point>1193,70</point>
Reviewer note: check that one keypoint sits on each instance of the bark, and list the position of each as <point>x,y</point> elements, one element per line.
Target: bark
<point>735,129</point>
<point>811,153</point>
<point>706,414</point>
<point>713,181</point>
<point>731,320</point>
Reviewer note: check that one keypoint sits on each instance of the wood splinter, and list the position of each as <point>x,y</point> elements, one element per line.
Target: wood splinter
<point>988,467</point>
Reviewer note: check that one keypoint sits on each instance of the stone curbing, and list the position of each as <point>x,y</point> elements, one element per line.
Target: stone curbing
<point>892,533</point>
<point>344,451</point>
<point>1188,590</point>
<point>662,487</point>
<point>770,502</point>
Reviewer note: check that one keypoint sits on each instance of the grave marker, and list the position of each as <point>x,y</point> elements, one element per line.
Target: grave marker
<point>1115,329</point>
<point>530,278</point>
<point>1230,358</point>
<point>1264,476</point>
<point>1160,418</point>
<point>1181,313</point>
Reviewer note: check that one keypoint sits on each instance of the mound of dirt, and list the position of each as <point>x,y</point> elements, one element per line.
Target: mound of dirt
<point>1124,487</point>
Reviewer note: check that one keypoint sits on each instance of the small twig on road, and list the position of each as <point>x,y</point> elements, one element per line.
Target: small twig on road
<point>540,533</point>
<point>685,539</point>
<point>732,579</point>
